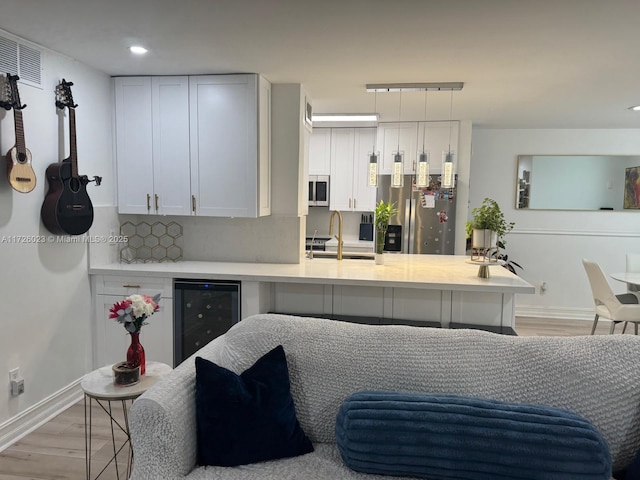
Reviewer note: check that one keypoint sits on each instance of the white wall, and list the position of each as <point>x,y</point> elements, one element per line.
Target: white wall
<point>551,244</point>
<point>45,307</point>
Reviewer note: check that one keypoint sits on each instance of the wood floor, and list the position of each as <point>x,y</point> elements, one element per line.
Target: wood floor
<point>56,451</point>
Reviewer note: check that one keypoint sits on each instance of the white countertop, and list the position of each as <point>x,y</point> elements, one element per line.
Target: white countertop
<point>434,272</point>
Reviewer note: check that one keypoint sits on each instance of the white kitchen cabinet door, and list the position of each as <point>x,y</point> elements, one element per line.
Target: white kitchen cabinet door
<point>134,144</point>
<point>171,174</point>
<point>364,196</point>
<point>320,152</point>
<point>341,187</point>
<point>349,165</point>
<point>225,150</point>
<point>437,138</point>
<point>392,135</point>
<point>152,145</point>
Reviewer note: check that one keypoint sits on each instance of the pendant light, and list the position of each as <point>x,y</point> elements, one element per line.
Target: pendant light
<point>448,157</point>
<point>397,171</point>
<point>373,155</point>
<point>422,172</point>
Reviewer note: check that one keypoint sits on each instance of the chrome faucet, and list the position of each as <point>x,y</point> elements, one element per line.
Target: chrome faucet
<point>339,237</point>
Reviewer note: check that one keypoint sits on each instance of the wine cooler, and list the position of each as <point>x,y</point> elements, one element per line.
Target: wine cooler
<point>203,310</point>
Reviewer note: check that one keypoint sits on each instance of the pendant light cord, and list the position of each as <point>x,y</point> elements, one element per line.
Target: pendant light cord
<point>424,130</point>
<point>375,110</point>
<point>450,116</point>
<point>399,117</point>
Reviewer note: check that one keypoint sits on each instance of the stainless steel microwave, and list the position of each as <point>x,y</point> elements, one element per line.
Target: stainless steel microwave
<point>318,190</point>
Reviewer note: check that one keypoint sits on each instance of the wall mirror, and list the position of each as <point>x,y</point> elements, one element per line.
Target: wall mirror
<point>578,182</point>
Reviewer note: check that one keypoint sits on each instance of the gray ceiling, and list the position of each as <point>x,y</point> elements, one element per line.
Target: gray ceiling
<point>525,63</point>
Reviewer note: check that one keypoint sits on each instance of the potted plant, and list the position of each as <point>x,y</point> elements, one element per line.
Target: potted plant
<point>384,211</point>
<point>488,226</point>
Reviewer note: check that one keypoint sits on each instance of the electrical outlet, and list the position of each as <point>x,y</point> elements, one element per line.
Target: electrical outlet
<point>543,288</point>
<point>17,387</point>
<point>16,382</point>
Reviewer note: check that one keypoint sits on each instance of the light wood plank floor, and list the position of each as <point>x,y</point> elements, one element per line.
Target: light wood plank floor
<point>56,450</point>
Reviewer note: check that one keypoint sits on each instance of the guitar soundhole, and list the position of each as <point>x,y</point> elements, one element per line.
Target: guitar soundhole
<point>22,157</point>
<point>75,184</point>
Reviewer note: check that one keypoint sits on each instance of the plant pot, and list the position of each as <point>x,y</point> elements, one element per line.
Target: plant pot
<point>379,258</point>
<point>484,239</point>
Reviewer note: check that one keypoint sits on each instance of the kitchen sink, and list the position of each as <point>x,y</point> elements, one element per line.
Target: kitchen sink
<point>345,255</point>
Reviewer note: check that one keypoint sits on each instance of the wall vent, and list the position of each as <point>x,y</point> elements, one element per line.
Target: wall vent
<point>19,59</point>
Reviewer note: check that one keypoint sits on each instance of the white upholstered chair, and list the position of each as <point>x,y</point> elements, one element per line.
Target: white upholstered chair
<point>633,265</point>
<point>607,303</point>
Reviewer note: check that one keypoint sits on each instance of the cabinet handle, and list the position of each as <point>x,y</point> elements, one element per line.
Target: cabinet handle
<point>157,201</point>
<point>148,202</point>
<point>193,203</point>
<point>130,286</point>
<point>354,203</point>
<point>349,203</point>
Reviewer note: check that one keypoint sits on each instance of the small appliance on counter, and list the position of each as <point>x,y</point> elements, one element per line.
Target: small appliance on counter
<point>366,227</point>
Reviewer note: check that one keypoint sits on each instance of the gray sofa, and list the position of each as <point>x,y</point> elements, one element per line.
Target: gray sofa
<point>595,376</point>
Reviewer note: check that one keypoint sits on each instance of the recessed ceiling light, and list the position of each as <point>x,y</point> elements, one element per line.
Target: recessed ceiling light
<point>138,50</point>
<point>635,108</point>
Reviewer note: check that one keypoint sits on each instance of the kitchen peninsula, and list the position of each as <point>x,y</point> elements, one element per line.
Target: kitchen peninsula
<point>428,289</point>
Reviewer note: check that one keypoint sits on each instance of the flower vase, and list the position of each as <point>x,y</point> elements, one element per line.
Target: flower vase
<point>135,352</point>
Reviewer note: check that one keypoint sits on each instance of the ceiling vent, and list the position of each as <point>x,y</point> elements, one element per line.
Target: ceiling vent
<point>19,59</point>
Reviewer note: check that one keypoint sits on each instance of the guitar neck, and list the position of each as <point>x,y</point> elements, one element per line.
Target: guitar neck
<point>73,154</point>
<point>20,145</point>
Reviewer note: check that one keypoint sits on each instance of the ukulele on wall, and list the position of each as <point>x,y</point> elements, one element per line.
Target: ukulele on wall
<point>20,174</point>
<point>67,207</point>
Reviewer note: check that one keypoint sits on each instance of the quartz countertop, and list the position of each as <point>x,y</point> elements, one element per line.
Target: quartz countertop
<point>437,272</point>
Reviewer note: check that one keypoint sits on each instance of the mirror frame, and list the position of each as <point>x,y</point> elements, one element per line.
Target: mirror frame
<point>613,186</point>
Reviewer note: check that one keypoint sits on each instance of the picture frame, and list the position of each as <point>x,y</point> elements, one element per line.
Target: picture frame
<point>631,188</point>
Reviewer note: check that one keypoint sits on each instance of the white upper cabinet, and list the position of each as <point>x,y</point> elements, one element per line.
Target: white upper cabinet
<point>194,145</point>
<point>391,136</point>
<point>437,137</point>
<point>320,152</point>
<point>152,145</point>
<point>349,190</point>
<point>171,177</point>
<point>364,195</point>
<point>229,124</point>
<point>134,144</point>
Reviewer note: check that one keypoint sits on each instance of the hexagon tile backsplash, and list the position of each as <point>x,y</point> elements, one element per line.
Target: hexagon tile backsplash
<point>151,242</point>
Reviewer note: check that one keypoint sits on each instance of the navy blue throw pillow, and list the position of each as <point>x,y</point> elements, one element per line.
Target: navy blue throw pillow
<point>449,436</point>
<point>249,417</point>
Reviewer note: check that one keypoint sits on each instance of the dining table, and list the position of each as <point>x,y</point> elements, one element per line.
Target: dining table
<point>627,277</point>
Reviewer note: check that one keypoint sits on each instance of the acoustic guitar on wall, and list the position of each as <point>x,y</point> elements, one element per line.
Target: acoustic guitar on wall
<point>67,207</point>
<point>20,174</point>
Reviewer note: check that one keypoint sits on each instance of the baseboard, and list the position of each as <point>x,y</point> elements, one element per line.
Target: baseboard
<point>33,417</point>
<point>569,313</point>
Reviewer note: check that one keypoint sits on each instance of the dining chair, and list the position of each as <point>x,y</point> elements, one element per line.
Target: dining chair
<point>607,303</point>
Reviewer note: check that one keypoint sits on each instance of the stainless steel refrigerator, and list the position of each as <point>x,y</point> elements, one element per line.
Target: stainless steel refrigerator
<point>426,218</point>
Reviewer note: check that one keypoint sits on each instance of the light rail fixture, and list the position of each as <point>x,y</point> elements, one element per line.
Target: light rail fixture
<point>415,87</point>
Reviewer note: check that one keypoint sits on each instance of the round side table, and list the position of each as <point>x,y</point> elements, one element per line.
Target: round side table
<point>98,387</point>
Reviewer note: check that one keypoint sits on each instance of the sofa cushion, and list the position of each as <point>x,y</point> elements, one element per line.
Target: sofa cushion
<point>249,417</point>
<point>448,436</point>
